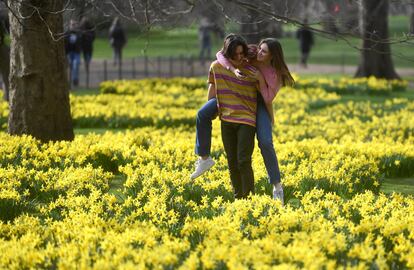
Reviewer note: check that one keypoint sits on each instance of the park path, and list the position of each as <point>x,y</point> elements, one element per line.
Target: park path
<point>139,68</point>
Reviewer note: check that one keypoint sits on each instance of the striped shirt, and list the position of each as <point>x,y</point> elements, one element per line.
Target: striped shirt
<point>236,98</point>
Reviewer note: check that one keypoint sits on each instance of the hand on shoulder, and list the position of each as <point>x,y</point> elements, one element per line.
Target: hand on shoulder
<point>254,73</point>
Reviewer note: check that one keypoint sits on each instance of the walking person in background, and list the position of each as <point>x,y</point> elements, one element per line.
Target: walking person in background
<point>272,74</point>
<point>306,41</point>
<point>117,39</point>
<point>87,29</point>
<point>205,40</point>
<point>73,47</point>
<point>236,100</point>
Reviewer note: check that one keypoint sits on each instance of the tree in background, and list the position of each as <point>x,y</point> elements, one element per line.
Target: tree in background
<point>375,57</point>
<point>412,19</point>
<point>375,52</point>
<point>39,89</point>
<point>4,54</point>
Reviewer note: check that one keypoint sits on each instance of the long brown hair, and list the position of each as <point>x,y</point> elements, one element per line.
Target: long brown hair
<point>278,61</point>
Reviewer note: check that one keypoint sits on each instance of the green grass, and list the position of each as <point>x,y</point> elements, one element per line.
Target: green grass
<point>399,185</point>
<point>398,24</point>
<point>158,43</point>
<point>116,186</point>
<point>85,131</point>
<point>85,91</point>
<point>326,51</point>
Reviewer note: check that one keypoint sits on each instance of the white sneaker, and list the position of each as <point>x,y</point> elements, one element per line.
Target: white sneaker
<point>201,166</point>
<point>278,194</point>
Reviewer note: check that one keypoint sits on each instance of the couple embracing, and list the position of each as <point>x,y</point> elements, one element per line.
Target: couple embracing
<point>242,84</point>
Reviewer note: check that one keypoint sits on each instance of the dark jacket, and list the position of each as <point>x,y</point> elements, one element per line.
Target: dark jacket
<point>117,37</point>
<point>305,37</point>
<point>73,41</point>
<point>88,36</point>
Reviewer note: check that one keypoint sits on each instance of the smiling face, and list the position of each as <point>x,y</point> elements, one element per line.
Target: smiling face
<point>264,55</point>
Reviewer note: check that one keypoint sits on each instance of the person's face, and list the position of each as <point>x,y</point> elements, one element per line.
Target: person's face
<point>263,55</point>
<point>238,54</point>
<point>72,24</point>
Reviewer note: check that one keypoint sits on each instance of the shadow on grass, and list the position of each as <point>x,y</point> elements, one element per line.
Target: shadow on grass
<point>85,131</point>
<point>116,187</point>
<point>84,91</point>
<point>399,185</point>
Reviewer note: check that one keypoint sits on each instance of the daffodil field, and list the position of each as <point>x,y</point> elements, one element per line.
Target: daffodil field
<point>60,208</point>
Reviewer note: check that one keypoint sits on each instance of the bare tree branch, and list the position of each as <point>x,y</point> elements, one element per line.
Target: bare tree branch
<point>147,13</point>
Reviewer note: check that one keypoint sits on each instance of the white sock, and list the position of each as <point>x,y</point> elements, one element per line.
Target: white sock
<point>278,186</point>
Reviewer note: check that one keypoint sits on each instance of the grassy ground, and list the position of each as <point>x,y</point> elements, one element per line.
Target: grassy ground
<point>116,186</point>
<point>85,91</point>
<point>326,51</point>
<point>399,185</point>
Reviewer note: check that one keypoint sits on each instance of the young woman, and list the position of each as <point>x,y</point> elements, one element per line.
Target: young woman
<point>272,73</point>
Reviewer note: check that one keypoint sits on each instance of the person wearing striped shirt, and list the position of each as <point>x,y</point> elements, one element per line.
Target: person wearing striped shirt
<point>237,105</point>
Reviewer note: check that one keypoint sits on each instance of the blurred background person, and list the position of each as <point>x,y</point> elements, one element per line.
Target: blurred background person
<point>117,39</point>
<point>306,41</point>
<point>73,48</point>
<point>87,29</point>
<point>205,39</point>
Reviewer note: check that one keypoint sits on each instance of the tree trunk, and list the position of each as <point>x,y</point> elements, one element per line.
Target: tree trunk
<point>361,19</point>
<point>5,68</point>
<point>412,21</point>
<point>376,53</point>
<point>39,89</point>
<point>4,57</point>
